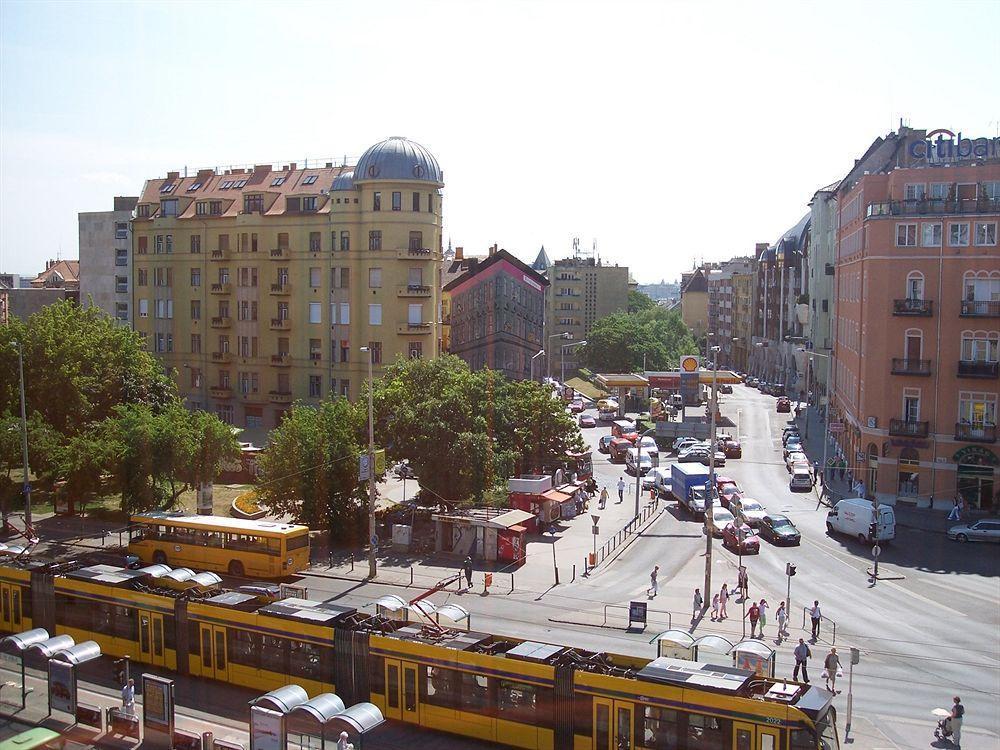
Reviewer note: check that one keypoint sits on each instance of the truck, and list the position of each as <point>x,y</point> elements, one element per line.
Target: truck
<point>683,479</point>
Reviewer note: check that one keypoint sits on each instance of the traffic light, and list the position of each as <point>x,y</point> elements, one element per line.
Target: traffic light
<point>789,570</point>
<point>873,532</point>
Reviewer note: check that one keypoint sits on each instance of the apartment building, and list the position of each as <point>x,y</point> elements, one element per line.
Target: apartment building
<point>259,286</point>
<point>582,290</point>
<point>105,258</point>
<point>694,302</point>
<point>496,314</point>
<point>917,325</point>
<point>721,307</point>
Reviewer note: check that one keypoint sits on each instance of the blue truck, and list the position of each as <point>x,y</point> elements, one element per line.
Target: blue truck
<point>683,479</point>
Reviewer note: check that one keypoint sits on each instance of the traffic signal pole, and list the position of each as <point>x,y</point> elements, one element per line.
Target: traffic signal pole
<point>711,479</point>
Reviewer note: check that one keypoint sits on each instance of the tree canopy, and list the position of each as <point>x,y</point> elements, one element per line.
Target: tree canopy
<point>618,342</point>
<point>639,301</point>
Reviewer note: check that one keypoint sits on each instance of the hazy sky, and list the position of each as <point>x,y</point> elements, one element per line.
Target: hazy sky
<point>665,131</point>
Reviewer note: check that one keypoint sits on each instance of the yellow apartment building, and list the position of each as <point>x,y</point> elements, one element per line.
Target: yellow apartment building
<point>259,286</point>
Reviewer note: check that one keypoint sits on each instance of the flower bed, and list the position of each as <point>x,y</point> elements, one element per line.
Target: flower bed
<point>246,506</point>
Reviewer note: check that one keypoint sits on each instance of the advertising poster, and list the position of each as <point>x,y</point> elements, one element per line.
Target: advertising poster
<point>157,703</point>
<point>267,729</point>
<point>62,687</point>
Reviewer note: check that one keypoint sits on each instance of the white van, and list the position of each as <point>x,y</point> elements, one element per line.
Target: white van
<point>641,457</point>
<point>853,516</point>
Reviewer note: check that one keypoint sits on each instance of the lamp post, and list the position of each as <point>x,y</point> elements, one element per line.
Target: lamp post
<point>564,347</point>
<point>563,335</point>
<point>372,567</point>
<point>826,437</point>
<point>540,353</point>
<point>24,440</point>
<point>711,476</point>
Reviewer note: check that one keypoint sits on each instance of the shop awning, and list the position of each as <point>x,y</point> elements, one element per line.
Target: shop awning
<point>556,495</point>
<point>510,519</point>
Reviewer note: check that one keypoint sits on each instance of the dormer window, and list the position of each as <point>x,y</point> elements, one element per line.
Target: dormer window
<point>277,181</point>
<point>309,203</point>
<point>169,188</point>
<point>309,180</point>
<point>142,211</point>
<point>168,208</point>
<point>293,205</point>
<point>253,204</point>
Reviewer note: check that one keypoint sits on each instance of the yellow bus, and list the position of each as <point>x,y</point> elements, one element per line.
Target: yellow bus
<point>260,549</point>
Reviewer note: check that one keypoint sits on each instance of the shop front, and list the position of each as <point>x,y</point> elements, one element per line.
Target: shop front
<point>977,482</point>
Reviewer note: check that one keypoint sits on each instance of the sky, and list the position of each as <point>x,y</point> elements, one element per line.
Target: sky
<point>664,132</point>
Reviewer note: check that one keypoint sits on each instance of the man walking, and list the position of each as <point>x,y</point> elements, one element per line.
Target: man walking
<point>816,474</point>
<point>604,498</point>
<point>754,615</point>
<point>467,566</point>
<point>621,489</point>
<point>831,665</point>
<point>815,615</point>
<point>743,582</point>
<point>128,698</point>
<point>801,653</point>
<point>652,581</point>
<point>696,604</point>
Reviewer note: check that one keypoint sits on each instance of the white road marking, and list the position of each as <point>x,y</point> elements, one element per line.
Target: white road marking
<point>959,590</point>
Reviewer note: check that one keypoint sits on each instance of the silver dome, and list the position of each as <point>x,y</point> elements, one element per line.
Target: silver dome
<point>344,181</point>
<point>397,158</point>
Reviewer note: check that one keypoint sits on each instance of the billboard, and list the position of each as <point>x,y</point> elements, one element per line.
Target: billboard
<point>267,729</point>
<point>62,686</point>
<point>158,704</point>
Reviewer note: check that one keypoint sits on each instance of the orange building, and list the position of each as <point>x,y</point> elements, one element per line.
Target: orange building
<point>917,321</point>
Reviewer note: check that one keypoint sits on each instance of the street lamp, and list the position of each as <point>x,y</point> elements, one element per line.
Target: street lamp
<point>372,568</point>
<point>563,335</point>
<point>24,443</point>
<point>711,473</point>
<point>564,347</point>
<point>540,353</point>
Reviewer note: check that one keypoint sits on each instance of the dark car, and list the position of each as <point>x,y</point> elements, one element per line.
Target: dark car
<point>779,529</point>
<point>604,444</point>
<point>725,388</point>
<point>731,448</point>
<point>784,405</point>
<point>586,420</point>
<point>740,538</point>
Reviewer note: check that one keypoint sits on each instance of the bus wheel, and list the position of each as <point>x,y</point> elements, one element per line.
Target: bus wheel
<point>236,568</point>
<point>160,557</point>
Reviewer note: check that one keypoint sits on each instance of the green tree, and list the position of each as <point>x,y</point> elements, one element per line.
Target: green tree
<point>309,470</point>
<point>623,342</point>
<point>639,301</point>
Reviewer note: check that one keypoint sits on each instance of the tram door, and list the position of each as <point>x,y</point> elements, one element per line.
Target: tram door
<point>213,652</point>
<point>752,737</point>
<point>151,649</point>
<point>401,690</point>
<point>613,724</point>
<point>10,607</point>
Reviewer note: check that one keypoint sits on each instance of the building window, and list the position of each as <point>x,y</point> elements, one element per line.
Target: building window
<point>375,240</point>
<point>315,350</point>
<point>121,310</point>
<point>397,200</point>
<point>142,211</point>
<point>345,352</point>
<point>374,315</point>
<point>196,277</point>
<point>196,309</point>
<point>915,285</point>
<point>415,315</point>
<point>314,277</point>
<point>906,235</point>
<point>377,201</point>
<point>121,230</point>
<point>142,277</point>
<point>309,203</point>
<point>914,192</point>
<point>345,241</point>
<point>143,247</point>
<point>170,244</point>
<point>315,312</point>
<point>345,388</point>
<point>416,202</point>
<point>315,386</point>
<point>196,243</point>
<point>430,203</point>
<point>143,308</point>
<point>978,346</point>
<point>168,208</point>
<point>940,190</point>
<point>345,315</point>
<point>416,240</point>
<point>374,278</point>
<point>931,235</point>
<point>977,409</point>
<point>375,347</point>
<point>253,204</point>
<point>986,233</point>
<point>196,343</point>
<point>958,234</point>
<point>315,242</point>
<point>415,349</point>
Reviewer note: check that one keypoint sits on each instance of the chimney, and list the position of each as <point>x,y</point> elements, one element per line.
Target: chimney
<point>459,253</point>
<point>293,166</point>
<point>173,175</point>
<point>261,168</point>
<point>329,165</point>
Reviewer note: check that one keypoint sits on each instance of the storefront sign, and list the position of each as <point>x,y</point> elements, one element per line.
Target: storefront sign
<point>62,686</point>
<point>976,455</point>
<point>836,427</point>
<point>689,363</point>
<point>637,612</point>
<point>949,147</point>
<point>909,443</point>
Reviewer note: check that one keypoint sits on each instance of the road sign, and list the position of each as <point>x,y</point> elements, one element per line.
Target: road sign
<point>374,540</point>
<point>595,530</point>
<point>637,612</point>
<point>595,517</point>
<point>876,551</point>
<point>364,467</point>
<point>835,427</point>
<point>855,656</point>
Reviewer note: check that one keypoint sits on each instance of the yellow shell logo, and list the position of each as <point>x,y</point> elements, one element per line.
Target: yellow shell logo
<point>689,364</point>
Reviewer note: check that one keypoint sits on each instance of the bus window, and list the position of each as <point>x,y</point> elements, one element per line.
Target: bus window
<point>297,542</point>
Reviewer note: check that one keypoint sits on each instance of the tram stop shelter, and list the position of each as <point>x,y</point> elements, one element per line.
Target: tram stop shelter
<point>754,655</point>
<point>677,644</point>
<point>321,718</point>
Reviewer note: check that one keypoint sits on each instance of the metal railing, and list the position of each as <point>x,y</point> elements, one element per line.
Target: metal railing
<point>980,308</point>
<point>906,428</point>
<point>911,366</point>
<point>623,534</point>
<point>824,618</point>
<point>976,433</point>
<point>648,613</point>
<point>921,307</point>
<point>969,368</point>
<point>933,207</point>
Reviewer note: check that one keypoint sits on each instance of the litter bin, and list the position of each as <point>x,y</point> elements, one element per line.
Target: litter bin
<point>592,559</point>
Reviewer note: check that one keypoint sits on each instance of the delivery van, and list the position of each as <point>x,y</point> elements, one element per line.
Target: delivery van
<point>853,516</point>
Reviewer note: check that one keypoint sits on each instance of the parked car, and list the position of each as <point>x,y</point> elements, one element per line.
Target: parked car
<point>720,518</point>
<point>779,529</point>
<point>784,405</point>
<point>660,477</point>
<point>684,442</point>
<point>794,445</point>
<point>779,389</point>
<point>618,447</point>
<point>985,530</point>
<point>576,406</point>
<point>801,479</point>
<point>722,481</point>
<point>748,510</point>
<point>790,433</point>
<point>586,420</point>
<point>853,516</point>
<point>795,457</point>
<point>604,444</point>
<point>701,454</point>
<point>752,382</point>
<point>725,388</point>
<point>740,538</point>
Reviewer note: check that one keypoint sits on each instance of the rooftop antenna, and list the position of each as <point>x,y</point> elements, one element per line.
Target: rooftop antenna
<point>576,247</point>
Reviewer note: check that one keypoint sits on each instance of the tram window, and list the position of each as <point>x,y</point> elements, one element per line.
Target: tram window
<point>517,701</point>
<point>274,654</point>
<point>743,739</point>
<point>194,639</point>
<point>583,718</point>
<point>376,674</point>
<point>26,606</point>
<point>802,739</point>
<point>305,660</point>
<point>624,729</point>
<point>603,728</point>
<point>474,692</point>
<point>659,727</point>
<point>6,605</point>
<point>244,648</point>
<point>392,685</point>
<point>206,648</point>
<point>706,732</point>
<point>16,604</point>
<point>767,742</point>
<point>169,636</point>
<point>409,689</point>
<point>144,634</point>
<point>124,623</point>
<point>438,687</point>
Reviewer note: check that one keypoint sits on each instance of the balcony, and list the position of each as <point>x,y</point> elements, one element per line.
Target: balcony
<point>222,322</point>
<point>417,253</point>
<point>222,357</point>
<point>934,207</point>
<point>281,289</point>
<point>220,391</point>
<point>923,308</point>
<point>315,356</point>
<point>280,324</point>
<point>121,261</point>
<point>980,308</point>
<point>222,288</point>
<point>977,369</point>
<point>976,433</point>
<point>281,359</point>
<point>911,366</point>
<point>413,290</point>
<point>906,428</point>
<point>279,253</point>
<point>221,254</point>
<point>413,328</point>
<point>281,397</point>
<point>121,288</point>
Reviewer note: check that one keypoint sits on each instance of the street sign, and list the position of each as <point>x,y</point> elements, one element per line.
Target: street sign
<point>364,467</point>
<point>595,517</point>
<point>835,427</point>
<point>374,540</point>
<point>637,612</point>
<point>855,656</point>
<point>595,530</point>
<point>876,551</point>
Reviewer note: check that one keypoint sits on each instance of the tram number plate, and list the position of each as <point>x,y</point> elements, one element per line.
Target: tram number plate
<point>771,720</point>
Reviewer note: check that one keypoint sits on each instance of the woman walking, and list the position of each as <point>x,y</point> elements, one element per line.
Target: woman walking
<point>723,598</point>
<point>763,607</point>
<point>782,616</point>
<point>715,607</point>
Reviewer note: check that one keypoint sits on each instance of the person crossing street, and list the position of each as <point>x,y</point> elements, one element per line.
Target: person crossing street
<point>621,489</point>
<point>652,581</point>
<point>604,498</point>
<point>802,654</point>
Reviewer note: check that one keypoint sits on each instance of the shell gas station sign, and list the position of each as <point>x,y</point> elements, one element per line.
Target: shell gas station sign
<point>689,363</point>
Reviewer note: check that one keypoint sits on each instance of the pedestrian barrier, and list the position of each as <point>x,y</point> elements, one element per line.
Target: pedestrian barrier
<point>625,607</point>
<point>625,532</point>
<point>824,618</point>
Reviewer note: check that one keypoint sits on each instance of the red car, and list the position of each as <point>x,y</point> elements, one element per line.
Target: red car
<point>743,536</point>
<point>586,420</point>
<point>784,405</point>
<point>731,448</point>
<point>728,491</point>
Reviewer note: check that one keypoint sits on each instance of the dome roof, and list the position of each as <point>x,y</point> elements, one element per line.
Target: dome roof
<point>344,181</point>
<point>397,158</point>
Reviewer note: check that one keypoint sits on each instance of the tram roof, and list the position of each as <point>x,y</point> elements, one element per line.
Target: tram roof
<point>306,610</point>
<point>461,640</point>
<point>107,574</point>
<point>705,676</point>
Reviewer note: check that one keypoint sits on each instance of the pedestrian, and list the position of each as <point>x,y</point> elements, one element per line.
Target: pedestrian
<point>652,581</point>
<point>831,670</point>
<point>128,698</point>
<point>957,715</point>
<point>763,607</point>
<point>782,617</point>
<point>956,511</point>
<point>815,472</point>
<point>743,582</point>
<point>604,498</point>
<point>343,743</point>
<point>696,605</point>
<point>753,614</point>
<point>723,598</point>
<point>715,607</point>
<point>467,567</point>
<point>801,653</point>
<point>621,489</point>
<point>815,615</point>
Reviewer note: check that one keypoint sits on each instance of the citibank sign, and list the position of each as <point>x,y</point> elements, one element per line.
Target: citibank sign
<point>944,145</point>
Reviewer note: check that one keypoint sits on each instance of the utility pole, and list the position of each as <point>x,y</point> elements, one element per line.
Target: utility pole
<point>372,540</point>
<point>711,476</point>
<point>24,442</point>
<point>808,372</point>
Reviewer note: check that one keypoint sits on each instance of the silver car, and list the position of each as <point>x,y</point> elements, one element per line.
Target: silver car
<point>986,530</point>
